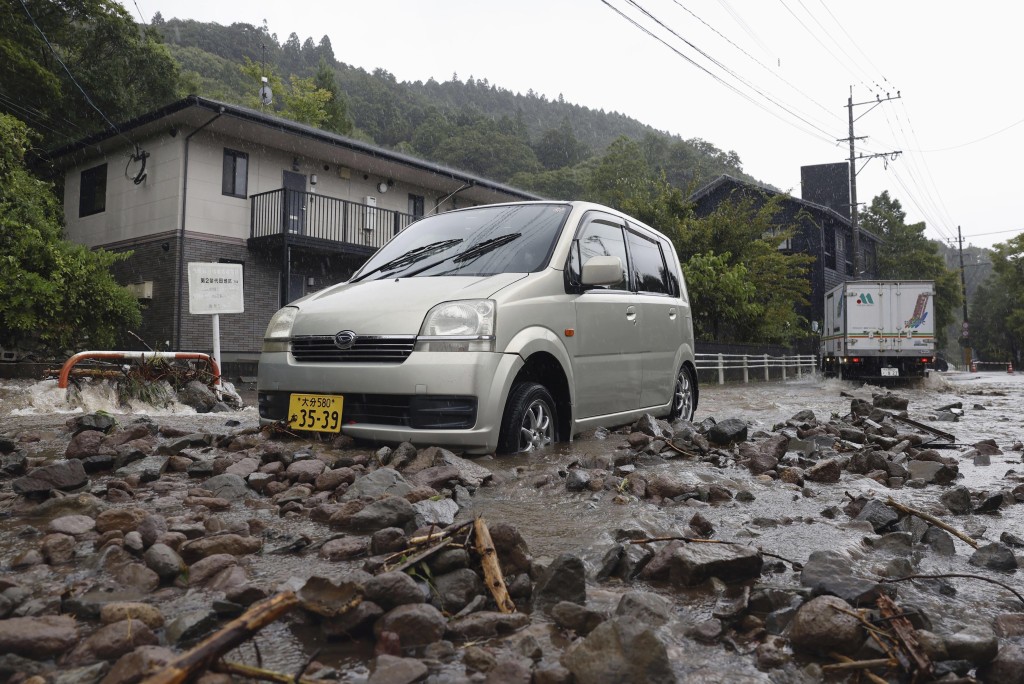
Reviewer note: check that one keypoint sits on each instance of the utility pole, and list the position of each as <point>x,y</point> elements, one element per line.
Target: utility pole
<point>965,339</point>
<point>850,104</point>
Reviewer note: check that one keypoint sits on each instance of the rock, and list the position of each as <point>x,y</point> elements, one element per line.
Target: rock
<point>73,525</point>
<point>58,548</point>
<point>227,486</point>
<point>994,556</point>
<point>940,541</point>
<point>203,571</point>
<point>60,475</point>
<point>878,515</point>
<point>305,471</point>
<point>344,548</point>
<point>190,627</point>
<point>826,471</point>
<point>828,572</point>
<point>932,472</point>
<point>1007,667</point>
<point>564,580</point>
<point>40,638</point>
<point>233,544</point>
<point>454,590</point>
<point>388,669</point>
<point>977,644</point>
<point>644,607</point>
<point>619,652</point>
<point>198,396</point>
<point>821,626</point>
<point>486,625</point>
<point>164,561</point>
<point>439,512</point>
<point>132,667</point>
<point>957,500</point>
<point>122,519</point>
<point>328,598</point>
<point>378,483</point>
<point>577,480</point>
<point>415,624</point>
<point>116,639</point>
<point>580,619</point>
<point>692,564</point>
<point>391,589</point>
<point>511,548</point>
<point>391,511</point>
<point>117,611</point>
<point>729,431</point>
<point>329,480</point>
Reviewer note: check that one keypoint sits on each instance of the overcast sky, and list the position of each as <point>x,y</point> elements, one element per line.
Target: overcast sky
<point>769,79</point>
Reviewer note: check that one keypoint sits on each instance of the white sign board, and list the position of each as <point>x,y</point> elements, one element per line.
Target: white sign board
<point>215,288</point>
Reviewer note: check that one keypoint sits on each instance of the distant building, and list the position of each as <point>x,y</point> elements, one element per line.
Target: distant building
<point>822,231</point>
<point>205,181</point>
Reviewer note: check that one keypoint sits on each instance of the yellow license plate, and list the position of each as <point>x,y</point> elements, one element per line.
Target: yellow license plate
<point>315,412</point>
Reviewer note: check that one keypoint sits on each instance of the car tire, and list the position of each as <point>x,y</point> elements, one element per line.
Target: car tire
<point>684,395</point>
<point>530,420</point>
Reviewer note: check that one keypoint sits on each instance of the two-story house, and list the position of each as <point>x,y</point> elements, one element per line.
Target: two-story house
<point>823,231</point>
<point>206,181</point>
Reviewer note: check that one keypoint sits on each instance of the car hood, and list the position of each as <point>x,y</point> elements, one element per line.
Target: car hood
<point>389,306</point>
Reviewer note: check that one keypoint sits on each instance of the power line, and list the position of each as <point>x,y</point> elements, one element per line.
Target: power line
<point>973,142</point>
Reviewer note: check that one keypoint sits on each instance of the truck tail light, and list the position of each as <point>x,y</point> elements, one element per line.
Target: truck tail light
<point>925,359</point>
<point>855,359</point>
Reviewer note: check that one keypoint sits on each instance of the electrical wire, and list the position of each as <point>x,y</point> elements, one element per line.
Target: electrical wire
<point>824,135</point>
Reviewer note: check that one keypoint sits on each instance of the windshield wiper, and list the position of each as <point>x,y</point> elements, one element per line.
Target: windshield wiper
<point>484,247</point>
<point>477,250</point>
<point>412,257</point>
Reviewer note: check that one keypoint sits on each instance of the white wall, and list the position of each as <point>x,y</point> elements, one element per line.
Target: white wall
<point>149,208</point>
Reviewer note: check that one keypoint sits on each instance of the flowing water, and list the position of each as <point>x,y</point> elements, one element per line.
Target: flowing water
<point>783,520</point>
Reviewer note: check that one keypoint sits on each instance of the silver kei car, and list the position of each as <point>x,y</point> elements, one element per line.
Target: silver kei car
<point>502,327</point>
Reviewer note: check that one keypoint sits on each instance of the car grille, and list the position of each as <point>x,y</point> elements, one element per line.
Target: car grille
<point>367,349</point>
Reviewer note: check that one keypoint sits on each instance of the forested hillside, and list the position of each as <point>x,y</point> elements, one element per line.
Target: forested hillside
<point>525,139</point>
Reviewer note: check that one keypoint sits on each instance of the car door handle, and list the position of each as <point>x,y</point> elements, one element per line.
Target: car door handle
<point>671,314</point>
<point>631,314</point>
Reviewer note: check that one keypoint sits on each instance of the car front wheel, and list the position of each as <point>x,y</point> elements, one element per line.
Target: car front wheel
<point>684,396</point>
<point>530,421</point>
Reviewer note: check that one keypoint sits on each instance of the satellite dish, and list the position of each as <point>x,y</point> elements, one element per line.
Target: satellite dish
<point>266,96</point>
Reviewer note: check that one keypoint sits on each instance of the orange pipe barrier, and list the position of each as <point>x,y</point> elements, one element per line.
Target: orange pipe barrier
<point>65,371</point>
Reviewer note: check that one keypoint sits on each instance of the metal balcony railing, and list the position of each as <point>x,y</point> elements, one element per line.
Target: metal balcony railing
<point>295,213</point>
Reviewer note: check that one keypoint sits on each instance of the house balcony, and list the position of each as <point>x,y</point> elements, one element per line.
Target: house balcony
<point>295,218</point>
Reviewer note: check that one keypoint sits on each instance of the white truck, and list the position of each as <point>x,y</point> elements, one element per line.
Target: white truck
<point>879,329</point>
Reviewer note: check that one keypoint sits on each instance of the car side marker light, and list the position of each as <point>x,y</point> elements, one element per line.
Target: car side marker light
<point>569,332</point>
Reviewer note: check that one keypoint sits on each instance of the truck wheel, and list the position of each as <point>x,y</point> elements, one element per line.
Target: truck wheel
<point>684,399</point>
<point>530,421</point>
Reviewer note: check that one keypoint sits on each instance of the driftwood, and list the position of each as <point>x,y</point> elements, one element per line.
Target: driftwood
<point>439,540</point>
<point>223,640</point>
<point>493,578</point>
<point>847,661</point>
<point>933,520</point>
<point>905,636</point>
<point>250,672</point>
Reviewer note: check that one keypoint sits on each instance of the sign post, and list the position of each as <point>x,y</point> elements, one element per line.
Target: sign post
<point>213,289</point>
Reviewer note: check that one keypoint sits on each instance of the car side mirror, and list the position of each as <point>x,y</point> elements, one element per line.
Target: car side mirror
<point>602,270</point>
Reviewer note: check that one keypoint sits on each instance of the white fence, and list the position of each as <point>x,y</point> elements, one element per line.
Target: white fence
<point>745,367</point>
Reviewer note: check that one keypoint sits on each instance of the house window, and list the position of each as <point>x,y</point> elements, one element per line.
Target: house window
<point>92,197</point>
<point>829,246</point>
<point>416,205</point>
<point>235,178</point>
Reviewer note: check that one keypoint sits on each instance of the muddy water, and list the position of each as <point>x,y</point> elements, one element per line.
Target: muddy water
<point>782,519</point>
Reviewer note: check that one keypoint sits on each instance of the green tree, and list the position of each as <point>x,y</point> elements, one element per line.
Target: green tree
<point>301,101</point>
<point>559,147</point>
<point>337,118</point>
<point>54,296</point>
<point>997,318</point>
<point>117,70</point>
<point>906,254</point>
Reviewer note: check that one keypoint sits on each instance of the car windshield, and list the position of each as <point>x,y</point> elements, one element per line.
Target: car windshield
<point>481,241</point>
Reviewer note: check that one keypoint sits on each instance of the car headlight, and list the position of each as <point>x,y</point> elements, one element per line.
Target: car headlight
<point>465,325</point>
<point>279,330</point>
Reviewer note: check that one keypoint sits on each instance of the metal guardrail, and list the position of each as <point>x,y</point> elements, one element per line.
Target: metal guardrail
<point>747,367</point>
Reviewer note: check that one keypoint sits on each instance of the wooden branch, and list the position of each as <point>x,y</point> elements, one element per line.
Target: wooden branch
<point>251,672</point>
<point>858,665</point>
<point>493,577</point>
<point>906,636</point>
<point>421,556</point>
<point>678,450</point>
<point>690,540</point>
<point>933,520</point>
<point>223,640</point>
<point>870,675</point>
<point>944,576</point>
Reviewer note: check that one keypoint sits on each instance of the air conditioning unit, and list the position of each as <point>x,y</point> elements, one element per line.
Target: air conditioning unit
<point>370,218</point>
<point>142,290</point>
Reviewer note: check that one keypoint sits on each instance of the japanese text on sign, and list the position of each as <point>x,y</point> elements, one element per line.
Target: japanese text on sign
<point>215,288</point>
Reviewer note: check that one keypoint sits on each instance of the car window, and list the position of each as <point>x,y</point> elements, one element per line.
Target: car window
<point>599,238</point>
<point>476,242</point>
<point>649,269</point>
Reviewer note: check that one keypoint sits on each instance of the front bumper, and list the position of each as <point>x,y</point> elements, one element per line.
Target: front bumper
<point>453,399</point>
